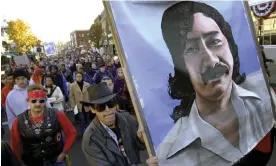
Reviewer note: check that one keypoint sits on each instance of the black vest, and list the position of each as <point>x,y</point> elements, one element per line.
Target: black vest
<point>42,143</point>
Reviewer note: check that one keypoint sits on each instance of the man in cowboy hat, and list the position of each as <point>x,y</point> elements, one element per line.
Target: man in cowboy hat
<point>113,137</point>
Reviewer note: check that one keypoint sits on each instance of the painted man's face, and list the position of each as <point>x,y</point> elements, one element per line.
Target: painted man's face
<point>208,58</point>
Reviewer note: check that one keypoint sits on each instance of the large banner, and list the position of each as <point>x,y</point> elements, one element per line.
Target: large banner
<point>50,48</point>
<point>198,78</point>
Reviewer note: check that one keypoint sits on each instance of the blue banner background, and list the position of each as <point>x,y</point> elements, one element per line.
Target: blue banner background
<point>149,61</point>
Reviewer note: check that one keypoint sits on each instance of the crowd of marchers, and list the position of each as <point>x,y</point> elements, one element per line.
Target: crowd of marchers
<point>43,100</point>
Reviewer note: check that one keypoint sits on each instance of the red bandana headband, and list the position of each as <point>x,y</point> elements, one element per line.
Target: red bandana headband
<point>37,94</point>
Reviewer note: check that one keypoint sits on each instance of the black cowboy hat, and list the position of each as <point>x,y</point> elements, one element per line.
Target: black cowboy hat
<point>19,73</point>
<point>98,94</point>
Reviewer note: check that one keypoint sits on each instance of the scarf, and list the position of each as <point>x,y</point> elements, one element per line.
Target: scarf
<point>50,90</point>
<point>80,84</point>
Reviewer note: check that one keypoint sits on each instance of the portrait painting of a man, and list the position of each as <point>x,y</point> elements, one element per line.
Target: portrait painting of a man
<point>50,48</point>
<point>198,79</point>
<point>223,113</point>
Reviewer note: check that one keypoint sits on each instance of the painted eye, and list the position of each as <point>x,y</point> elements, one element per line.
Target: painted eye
<point>215,42</point>
<point>192,50</point>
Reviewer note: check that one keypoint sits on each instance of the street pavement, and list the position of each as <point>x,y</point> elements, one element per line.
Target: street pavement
<point>76,155</point>
<point>78,158</point>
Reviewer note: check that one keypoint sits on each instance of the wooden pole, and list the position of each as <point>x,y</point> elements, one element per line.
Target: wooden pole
<point>130,84</point>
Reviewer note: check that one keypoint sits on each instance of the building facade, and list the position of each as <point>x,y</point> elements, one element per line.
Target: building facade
<point>80,38</point>
<point>266,29</point>
<point>107,43</point>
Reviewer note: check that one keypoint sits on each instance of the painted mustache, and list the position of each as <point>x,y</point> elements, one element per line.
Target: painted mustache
<point>213,73</point>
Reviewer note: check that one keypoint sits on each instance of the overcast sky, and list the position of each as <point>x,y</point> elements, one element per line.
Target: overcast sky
<point>53,20</point>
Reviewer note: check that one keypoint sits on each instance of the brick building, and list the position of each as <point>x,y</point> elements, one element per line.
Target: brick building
<point>80,38</point>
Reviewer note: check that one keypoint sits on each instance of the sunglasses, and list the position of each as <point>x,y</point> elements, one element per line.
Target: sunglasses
<point>101,107</point>
<point>40,101</point>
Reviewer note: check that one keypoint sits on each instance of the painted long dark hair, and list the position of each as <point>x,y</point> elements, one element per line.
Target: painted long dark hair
<point>177,21</point>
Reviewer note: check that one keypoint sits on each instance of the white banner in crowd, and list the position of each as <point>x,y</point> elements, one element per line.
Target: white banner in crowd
<point>21,60</point>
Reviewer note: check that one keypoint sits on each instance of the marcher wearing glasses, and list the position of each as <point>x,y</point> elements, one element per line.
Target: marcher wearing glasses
<point>16,99</point>
<point>36,135</point>
<point>113,137</point>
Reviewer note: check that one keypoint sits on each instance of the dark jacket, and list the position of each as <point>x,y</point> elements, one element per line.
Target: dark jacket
<point>99,75</point>
<point>7,156</point>
<point>92,72</point>
<point>101,150</point>
<point>88,78</point>
<point>112,69</point>
<point>87,66</point>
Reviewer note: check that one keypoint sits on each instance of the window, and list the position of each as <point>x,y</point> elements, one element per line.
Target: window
<point>269,40</point>
<point>81,42</point>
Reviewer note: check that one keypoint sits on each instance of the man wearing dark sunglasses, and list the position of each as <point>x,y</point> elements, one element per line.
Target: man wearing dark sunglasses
<point>36,134</point>
<point>113,137</point>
